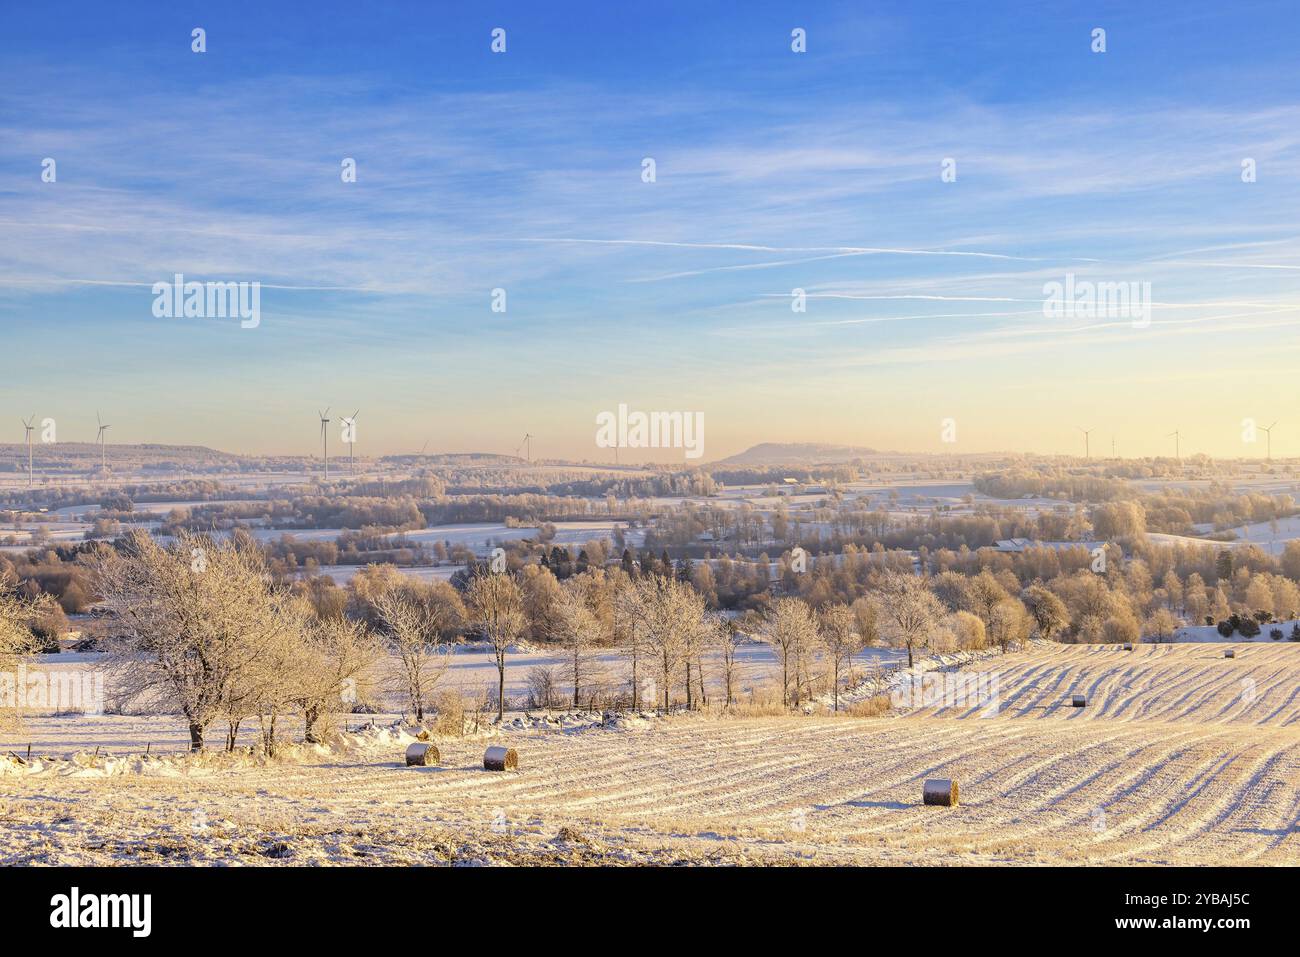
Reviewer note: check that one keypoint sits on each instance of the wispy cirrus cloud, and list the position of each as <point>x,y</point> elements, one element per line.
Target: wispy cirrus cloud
<point>529,180</point>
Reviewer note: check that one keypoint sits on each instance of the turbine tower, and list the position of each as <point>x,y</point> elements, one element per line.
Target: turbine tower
<point>1087,449</point>
<point>1177,437</point>
<point>352,438</point>
<point>526,444</point>
<point>27,424</point>
<point>325,439</point>
<point>1268,434</point>
<point>103,459</point>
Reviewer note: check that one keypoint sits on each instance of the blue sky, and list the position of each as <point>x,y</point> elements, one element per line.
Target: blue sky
<point>775,171</point>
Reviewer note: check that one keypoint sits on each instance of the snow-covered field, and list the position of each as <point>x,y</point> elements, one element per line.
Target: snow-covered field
<point>471,668</point>
<point>904,498</point>
<point>1261,535</point>
<point>1175,684</point>
<point>1211,632</point>
<point>1179,757</point>
<point>480,536</point>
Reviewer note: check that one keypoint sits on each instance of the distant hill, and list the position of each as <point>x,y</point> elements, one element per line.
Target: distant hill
<point>74,455</point>
<point>454,458</point>
<point>798,453</point>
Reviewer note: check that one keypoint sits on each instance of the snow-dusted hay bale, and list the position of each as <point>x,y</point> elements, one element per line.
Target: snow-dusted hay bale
<point>1128,646</point>
<point>497,758</point>
<point>941,792</point>
<point>1078,701</point>
<point>422,755</point>
<point>1229,652</point>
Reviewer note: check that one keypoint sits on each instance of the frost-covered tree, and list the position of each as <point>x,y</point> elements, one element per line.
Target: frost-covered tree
<point>791,629</point>
<point>1049,612</point>
<point>496,610</point>
<point>16,641</point>
<point>841,639</point>
<point>575,628</point>
<point>1161,625</point>
<point>984,593</point>
<point>199,626</point>
<point>414,630</point>
<point>670,616</point>
<point>726,638</point>
<point>911,609</point>
<point>629,629</point>
<point>967,629</point>
<point>1008,623</point>
<point>340,654</point>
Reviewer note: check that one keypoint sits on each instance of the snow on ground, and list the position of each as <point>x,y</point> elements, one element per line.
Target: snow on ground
<point>1211,633</point>
<point>473,665</point>
<point>906,499</point>
<point>475,535</point>
<point>1262,534</point>
<point>1180,757</point>
<point>57,533</point>
<point>1176,684</point>
<point>1163,538</point>
<point>471,668</point>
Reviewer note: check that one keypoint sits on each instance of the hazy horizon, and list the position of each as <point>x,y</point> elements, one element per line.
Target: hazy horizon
<point>338,453</point>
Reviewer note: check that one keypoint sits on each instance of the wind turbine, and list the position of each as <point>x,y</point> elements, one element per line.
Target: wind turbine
<point>424,447</point>
<point>103,460</point>
<point>352,438</point>
<point>27,424</point>
<point>1177,437</point>
<point>325,439</point>
<point>526,443</point>
<point>1087,449</point>
<point>1268,432</point>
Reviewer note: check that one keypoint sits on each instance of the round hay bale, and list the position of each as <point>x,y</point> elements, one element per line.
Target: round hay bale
<point>422,755</point>
<point>497,758</point>
<point>1078,701</point>
<point>1229,652</point>
<point>941,792</point>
